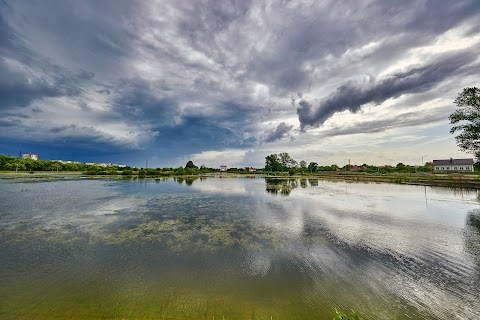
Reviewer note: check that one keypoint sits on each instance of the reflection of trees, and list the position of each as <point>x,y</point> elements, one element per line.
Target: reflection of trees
<point>472,235</point>
<point>457,191</point>
<point>280,186</point>
<point>303,183</point>
<point>473,219</point>
<point>313,182</point>
<point>188,180</point>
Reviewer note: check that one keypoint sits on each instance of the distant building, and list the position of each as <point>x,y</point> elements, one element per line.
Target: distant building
<point>252,169</point>
<point>223,168</point>
<point>104,165</point>
<point>455,165</point>
<point>30,156</point>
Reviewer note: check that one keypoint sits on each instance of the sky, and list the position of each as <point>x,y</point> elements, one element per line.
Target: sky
<point>230,82</point>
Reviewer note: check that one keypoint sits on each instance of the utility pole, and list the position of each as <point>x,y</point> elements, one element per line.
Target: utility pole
<point>422,160</point>
<point>146,164</point>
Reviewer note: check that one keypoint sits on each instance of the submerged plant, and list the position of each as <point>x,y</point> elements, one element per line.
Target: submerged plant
<point>339,315</point>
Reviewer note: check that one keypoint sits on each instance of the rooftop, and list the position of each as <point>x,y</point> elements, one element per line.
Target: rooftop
<point>453,161</point>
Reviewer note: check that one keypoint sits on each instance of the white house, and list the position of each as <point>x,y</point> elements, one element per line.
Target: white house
<point>223,167</point>
<point>455,165</point>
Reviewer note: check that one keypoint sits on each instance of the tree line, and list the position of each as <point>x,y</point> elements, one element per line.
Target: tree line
<point>283,162</point>
<point>10,163</point>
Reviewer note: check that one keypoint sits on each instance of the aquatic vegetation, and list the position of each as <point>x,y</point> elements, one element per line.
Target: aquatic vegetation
<point>60,236</point>
<point>198,233</point>
<point>339,315</point>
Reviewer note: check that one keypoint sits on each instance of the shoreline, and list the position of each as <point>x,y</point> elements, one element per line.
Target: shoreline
<point>452,180</point>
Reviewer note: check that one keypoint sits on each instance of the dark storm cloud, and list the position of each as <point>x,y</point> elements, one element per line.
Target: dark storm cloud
<point>197,133</point>
<point>9,122</point>
<point>352,96</point>
<point>184,129</point>
<point>308,33</point>
<point>103,91</point>
<point>89,32</point>
<point>280,132</point>
<point>20,87</point>
<point>29,75</point>
<point>26,78</point>
<point>138,100</point>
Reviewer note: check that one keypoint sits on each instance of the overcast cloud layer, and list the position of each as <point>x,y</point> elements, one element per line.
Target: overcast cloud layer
<point>233,81</point>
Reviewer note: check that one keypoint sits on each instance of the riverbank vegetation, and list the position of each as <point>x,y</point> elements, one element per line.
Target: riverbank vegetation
<point>283,162</point>
<point>20,165</point>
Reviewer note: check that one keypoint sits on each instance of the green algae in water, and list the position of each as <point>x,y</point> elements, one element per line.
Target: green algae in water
<point>199,233</point>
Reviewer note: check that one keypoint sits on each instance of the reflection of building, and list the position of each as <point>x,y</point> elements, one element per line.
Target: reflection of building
<point>223,167</point>
<point>462,165</point>
<point>30,156</point>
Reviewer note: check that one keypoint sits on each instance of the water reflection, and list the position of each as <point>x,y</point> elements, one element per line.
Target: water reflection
<point>280,186</point>
<point>313,182</point>
<point>188,180</point>
<point>303,183</point>
<point>473,219</point>
<point>472,237</point>
<point>219,247</point>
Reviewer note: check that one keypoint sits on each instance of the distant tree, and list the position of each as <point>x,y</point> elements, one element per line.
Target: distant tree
<point>190,171</point>
<point>180,170</point>
<point>466,120</point>
<point>190,165</point>
<point>312,166</point>
<point>286,160</point>
<point>429,166</point>
<point>303,164</point>
<point>272,163</point>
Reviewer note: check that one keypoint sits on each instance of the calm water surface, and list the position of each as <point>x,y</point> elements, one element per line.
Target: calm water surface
<point>236,249</point>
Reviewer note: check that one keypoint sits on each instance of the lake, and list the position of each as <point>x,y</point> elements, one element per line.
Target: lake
<point>236,248</point>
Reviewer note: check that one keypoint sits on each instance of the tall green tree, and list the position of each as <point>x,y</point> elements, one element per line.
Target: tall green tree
<point>466,120</point>
<point>303,164</point>
<point>190,165</point>
<point>286,160</point>
<point>312,166</point>
<point>272,163</point>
